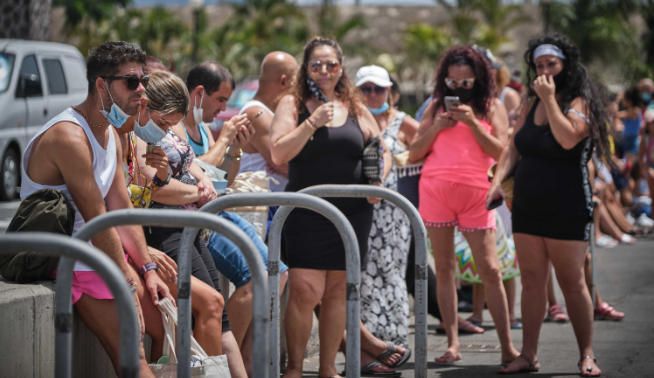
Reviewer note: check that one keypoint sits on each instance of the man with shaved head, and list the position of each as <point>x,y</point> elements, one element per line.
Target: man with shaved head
<point>276,74</point>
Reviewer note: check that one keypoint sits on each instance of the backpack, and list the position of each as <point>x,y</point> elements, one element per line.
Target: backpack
<point>45,210</point>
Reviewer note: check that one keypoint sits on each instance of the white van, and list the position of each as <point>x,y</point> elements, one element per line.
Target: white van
<point>37,81</point>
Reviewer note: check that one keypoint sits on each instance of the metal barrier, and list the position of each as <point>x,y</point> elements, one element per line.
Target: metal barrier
<point>193,221</point>
<point>420,235</point>
<point>288,201</point>
<point>71,249</point>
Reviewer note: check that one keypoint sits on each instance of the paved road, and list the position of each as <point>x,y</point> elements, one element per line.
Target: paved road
<point>625,276</point>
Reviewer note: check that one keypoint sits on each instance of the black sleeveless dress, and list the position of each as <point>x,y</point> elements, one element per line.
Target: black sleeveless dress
<point>333,156</point>
<point>552,192</point>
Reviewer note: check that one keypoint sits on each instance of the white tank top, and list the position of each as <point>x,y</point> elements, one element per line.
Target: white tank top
<point>252,162</point>
<point>104,165</point>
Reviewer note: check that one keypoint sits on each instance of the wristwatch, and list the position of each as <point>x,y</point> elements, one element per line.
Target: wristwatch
<point>148,267</point>
<point>156,181</point>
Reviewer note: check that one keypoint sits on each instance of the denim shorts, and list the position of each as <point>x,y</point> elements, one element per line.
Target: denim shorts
<point>228,257</point>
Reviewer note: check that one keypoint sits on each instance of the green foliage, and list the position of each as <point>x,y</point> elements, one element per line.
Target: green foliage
<point>256,28</point>
<point>604,32</point>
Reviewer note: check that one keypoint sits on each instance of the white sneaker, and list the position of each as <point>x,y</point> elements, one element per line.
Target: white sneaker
<point>645,221</point>
<point>627,239</point>
<point>605,241</point>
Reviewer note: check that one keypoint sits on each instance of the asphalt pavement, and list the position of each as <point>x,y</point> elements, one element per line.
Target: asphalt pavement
<point>625,278</point>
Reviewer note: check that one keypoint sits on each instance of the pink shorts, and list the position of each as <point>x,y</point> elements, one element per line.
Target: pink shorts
<point>89,283</point>
<point>449,204</point>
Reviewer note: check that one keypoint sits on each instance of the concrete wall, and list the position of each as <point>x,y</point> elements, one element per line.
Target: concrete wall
<point>27,336</point>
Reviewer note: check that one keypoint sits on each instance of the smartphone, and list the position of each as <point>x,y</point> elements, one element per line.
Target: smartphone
<point>495,203</point>
<point>150,148</point>
<point>451,102</point>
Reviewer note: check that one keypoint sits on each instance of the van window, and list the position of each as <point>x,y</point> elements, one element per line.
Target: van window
<point>6,68</point>
<point>55,75</point>
<point>30,69</point>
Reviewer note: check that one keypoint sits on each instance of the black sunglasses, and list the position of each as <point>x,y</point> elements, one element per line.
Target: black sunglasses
<point>372,88</point>
<point>132,81</point>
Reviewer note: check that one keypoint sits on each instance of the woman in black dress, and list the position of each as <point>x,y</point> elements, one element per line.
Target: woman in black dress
<point>559,127</point>
<point>320,131</point>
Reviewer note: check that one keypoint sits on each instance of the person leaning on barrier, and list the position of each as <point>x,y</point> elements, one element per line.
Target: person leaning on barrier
<point>320,131</point>
<point>213,83</point>
<point>177,192</point>
<point>77,152</point>
<point>165,102</point>
<point>550,150</point>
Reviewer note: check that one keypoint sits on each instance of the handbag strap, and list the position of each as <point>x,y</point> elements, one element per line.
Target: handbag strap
<point>169,318</point>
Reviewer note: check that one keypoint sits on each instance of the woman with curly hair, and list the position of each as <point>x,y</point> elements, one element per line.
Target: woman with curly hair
<point>552,203</point>
<point>460,138</point>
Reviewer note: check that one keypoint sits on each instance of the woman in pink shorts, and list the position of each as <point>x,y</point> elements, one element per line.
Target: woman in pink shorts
<point>463,132</point>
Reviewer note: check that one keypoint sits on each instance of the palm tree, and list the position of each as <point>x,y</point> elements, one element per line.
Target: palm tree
<point>256,28</point>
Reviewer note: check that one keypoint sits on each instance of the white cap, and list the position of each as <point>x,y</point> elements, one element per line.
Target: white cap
<point>373,74</point>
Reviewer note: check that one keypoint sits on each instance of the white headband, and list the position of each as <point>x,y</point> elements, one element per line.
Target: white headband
<point>548,49</point>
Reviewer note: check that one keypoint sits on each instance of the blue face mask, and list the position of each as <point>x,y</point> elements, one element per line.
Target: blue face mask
<point>646,97</point>
<point>380,110</point>
<point>116,116</point>
<point>151,133</point>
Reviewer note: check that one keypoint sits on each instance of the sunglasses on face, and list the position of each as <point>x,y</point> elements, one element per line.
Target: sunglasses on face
<point>330,67</point>
<point>366,90</point>
<point>463,83</point>
<point>132,81</point>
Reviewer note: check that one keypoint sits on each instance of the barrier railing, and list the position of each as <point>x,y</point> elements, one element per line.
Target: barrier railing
<point>289,201</point>
<point>70,250</point>
<point>420,235</point>
<point>192,221</point>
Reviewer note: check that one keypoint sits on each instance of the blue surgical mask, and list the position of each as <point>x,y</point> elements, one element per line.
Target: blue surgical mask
<point>646,97</point>
<point>151,133</point>
<point>198,112</point>
<point>380,110</point>
<point>116,116</point>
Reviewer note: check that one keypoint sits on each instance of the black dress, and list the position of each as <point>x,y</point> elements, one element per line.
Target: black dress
<point>332,156</point>
<point>552,193</point>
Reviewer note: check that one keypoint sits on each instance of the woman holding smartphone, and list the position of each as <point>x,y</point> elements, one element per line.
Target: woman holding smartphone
<point>459,143</point>
<point>552,204</point>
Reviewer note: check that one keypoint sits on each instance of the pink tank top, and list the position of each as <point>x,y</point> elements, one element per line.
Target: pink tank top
<point>455,156</point>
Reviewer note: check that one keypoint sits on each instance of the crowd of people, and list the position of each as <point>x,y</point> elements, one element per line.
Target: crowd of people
<point>577,155</point>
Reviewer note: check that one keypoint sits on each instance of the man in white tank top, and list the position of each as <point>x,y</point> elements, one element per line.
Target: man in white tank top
<point>77,153</point>
<point>277,71</point>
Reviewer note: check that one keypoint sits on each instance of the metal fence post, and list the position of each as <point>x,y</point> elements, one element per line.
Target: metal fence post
<point>193,221</point>
<point>420,235</point>
<point>72,249</point>
<point>288,201</point>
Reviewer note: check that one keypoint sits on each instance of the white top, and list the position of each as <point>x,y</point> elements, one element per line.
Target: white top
<point>104,165</point>
<point>252,162</point>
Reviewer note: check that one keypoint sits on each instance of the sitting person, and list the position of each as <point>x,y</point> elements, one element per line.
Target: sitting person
<point>212,84</point>
<point>77,153</point>
<point>165,102</point>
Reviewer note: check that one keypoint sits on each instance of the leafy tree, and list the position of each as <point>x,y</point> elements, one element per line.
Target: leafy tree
<point>255,28</point>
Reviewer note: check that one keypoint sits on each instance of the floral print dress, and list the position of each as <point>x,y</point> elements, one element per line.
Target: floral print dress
<point>384,297</point>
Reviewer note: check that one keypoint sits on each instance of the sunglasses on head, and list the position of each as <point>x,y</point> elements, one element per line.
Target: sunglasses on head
<point>132,81</point>
<point>330,67</point>
<point>368,89</point>
<point>463,83</point>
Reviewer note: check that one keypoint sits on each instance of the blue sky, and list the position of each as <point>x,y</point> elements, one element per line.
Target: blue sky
<point>301,2</point>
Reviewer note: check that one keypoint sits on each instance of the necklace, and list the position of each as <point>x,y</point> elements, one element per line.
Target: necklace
<point>86,117</point>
